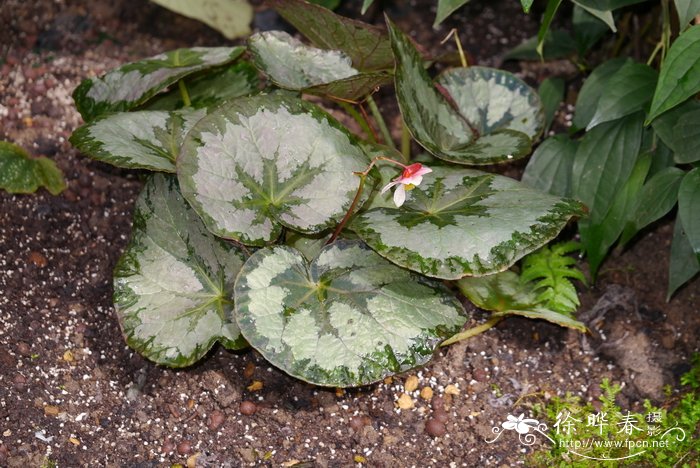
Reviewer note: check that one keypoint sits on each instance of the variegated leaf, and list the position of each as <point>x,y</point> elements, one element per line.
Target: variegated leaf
<point>479,116</point>
<point>347,318</point>
<point>134,83</point>
<point>296,66</point>
<point>173,286</point>
<point>260,163</point>
<point>137,140</point>
<point>462,222</point>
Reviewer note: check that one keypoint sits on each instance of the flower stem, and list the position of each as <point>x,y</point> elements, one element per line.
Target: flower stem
<point>405,142</point>
<point>380,122</point>
<point>361,121</point>
<point>183,92</point>
<point>353,205</point>
<point>490,323</point>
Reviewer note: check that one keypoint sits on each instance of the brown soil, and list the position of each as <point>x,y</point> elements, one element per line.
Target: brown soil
<point>74,394</point>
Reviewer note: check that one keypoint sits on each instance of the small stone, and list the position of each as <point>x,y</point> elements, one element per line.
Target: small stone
<point>441,416</point>
<point>426,393</point>
<point>249,370</point>
<point>248,408</point>
<point>255,386</point>
<point>438,403</point>
<point>192,460</point>
<point>357,423</point>
<point>388,380</point>
<point>68,356</point>
<point>411,383</point>
<point>168,446</point>
<point>435,428</point>
<point>451,390</point>
<point>51,410</point>
<point>19,381</point>
<point>23,348</point>
<point>216,419</point>
<point>479,375</point>
<point>184,447</point>
<point>74,441</point>
<point>405,402</point>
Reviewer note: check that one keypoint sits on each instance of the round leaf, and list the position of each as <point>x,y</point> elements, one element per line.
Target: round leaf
<point>134,83</point>
<point>260,163</point>
<point>137,140</point>
<point>462,222</point>
<point>173,286</point>
<point>348,318</point>
<point>20,173</point>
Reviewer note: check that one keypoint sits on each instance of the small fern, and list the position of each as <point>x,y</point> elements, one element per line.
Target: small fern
<point>550,269</point>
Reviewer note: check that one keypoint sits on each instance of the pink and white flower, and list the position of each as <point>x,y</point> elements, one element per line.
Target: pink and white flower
<point>410,177</point>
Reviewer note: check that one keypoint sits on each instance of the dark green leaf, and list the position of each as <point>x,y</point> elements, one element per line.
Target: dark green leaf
<point>689,208</point>
<point>656,198</point>
<point>604,15</point>
<point>462,222</point>
<point>445,8</point>
<point>330,4</point>
<point>687,10</point>
<point>588,29</point>
<point>608,4</point>
<point>20,173</point>
<point>347,318</point>
<point>134,83</point>
<point>592,89</point>
<point>527,4</point>
<point>173,287</point>
<point>230,17</point>
<point>367,45</point>
<point>679,128</point>
<point>210,88</point>
<point>629,90</point>
<point>549,12</point>
<point>549,168</point>
<point>557,44</point>
<point>684,263</point>
<point>680,73</point>
<point>552,94</point>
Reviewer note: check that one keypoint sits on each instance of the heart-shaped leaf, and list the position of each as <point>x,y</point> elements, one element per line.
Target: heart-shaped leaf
<point>296,66</point>
<point>263,162</point>
<point>347,318</point>
<point>20,173</point>
<point>173,287</point>
<point>479,116</point>
<point>134,83</point>
<point>137,140</point>
<point>461,222</point>
<point>549,168</point>
<point>505,294</point>
<point>230,17</point>
<point>445,8</point>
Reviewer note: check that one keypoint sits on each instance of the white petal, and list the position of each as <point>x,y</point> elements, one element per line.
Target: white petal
<point>389,185</point>
<point>522,428</point>
<point>422,171</point>
<point>509,425</point>
<point>399,196</point>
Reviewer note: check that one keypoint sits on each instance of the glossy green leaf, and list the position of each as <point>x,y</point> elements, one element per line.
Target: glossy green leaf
<point>598,237</point>
<point>588,29</point>
<point>445,8</point>
<point>629,90</point>
<point>608,4</point>
<point>679,128</point>
<point>549,12</point>
<point>689,208</point>
<point>527,4</point>
<point>603,163</point>
<point>462,222</point>
<point>260,163</point>
<point>680,73</point>
<point>347,318</point>
<point>505,294</point>
<point>557,44</point>
<point>551,93</point>
<point>549,168</point>
<point>21,173</point>
<point>137,140</point>
<point>134,83</point>
<point>293,65</point>
<point>210,88</point>
<point>592,89</point>
<point>173,286</point>
<point>656,198</point>
<point>603,14</point>
<point>684,264</point>
<point>330,4</point>
<point>367,45</point>
<point>230,17</point>
<point>479,116</point>
<point>687,10</point>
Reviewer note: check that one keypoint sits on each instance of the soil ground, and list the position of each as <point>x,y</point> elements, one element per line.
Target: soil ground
<point>73,395</point>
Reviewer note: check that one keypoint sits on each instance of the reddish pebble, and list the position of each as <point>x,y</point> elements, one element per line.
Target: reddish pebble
<point>441,416</point>
<point>19,381</point>
<point>23,348</point>
<point>168,446</point>
<point>248,408</point>
<point>216,419</point>
<point>184,447</point>
<point>435,428</point>
<point>38,259</point>
<point>357,423</point>
<point>438,403</point>
<point>479,375</point>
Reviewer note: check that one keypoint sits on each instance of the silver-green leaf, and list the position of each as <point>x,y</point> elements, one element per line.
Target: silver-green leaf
<point>134,83</point>
<point>347,318</point>
<point>471,115</point>
<point>173,286</point>
<point>259,163</point>
<point>462,222</point>
<point>137,140</point>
